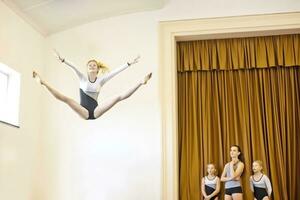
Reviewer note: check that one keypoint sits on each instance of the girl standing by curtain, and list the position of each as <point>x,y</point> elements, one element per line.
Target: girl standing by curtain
<point>232,174</point>
<point>211,183</point>
<point>260,184</point>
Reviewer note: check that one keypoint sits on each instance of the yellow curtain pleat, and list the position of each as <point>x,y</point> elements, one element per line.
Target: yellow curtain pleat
<point>239,53</point>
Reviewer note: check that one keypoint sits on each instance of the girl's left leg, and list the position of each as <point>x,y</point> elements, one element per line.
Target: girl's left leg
<point>101,109</point>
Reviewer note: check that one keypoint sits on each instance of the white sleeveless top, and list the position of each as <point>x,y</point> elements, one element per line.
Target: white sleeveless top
<point>232,183</point>
<point>210,182</point>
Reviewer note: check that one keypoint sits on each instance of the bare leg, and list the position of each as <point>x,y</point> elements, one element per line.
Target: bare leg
<point>72,103</point>
<point>101,109</point>
<point>228,197</point>
<point>237,196</point>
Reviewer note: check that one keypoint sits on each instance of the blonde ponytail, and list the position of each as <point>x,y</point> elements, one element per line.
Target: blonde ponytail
<point>102,67</point>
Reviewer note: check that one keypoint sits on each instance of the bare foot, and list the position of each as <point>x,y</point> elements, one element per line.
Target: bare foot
<point>146,79</point>
<point>37,77</point>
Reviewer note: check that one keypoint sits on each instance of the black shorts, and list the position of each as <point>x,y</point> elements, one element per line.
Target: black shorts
<point>210,190</point>
<point>88,103</point>
<point>260,193</point>
<point>234,190</point>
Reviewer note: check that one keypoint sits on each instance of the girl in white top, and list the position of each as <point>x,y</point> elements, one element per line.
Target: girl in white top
<point>90,86</point>
<point>259,183</point>
<point>211,183</point>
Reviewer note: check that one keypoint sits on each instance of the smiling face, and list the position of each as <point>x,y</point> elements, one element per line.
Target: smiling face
<point>211,169</point>
<point>234,152</point>
<point>92,67</point>
<point>256,167</point>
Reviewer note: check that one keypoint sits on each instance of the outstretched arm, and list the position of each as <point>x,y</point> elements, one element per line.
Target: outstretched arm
<point>63,60</point>
<point>116,71</point>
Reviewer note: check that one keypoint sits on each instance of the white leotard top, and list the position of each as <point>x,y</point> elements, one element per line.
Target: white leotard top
<point>263,182</point>
<point>210,182</point>
<point>92,89</point>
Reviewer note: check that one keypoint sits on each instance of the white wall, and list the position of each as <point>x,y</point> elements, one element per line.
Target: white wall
<point>119,155</point>
<point>21,48</point>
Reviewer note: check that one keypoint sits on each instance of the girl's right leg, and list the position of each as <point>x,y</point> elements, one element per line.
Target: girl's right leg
<point>237,196</point>
<point>227,197</point>
<point>70,102</point>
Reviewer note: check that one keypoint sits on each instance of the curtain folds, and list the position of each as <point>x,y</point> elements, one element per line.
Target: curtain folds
<point>253,103</point>
<point>239,53</point>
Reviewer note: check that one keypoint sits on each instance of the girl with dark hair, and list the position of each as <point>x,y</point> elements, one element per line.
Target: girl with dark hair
<point>232,174</point>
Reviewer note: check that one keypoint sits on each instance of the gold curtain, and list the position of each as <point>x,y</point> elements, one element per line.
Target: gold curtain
<point>239,53</point>
<point>255,107</point>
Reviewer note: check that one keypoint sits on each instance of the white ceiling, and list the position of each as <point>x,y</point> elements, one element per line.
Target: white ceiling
<point>51,16</point>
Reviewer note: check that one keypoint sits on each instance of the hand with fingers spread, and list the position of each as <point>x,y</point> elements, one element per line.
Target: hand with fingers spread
<point>135,60</point>
<point>57,55</point>
<point>37,77</point>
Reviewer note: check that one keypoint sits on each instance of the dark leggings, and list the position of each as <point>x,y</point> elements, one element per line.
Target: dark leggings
<point>230,191</point>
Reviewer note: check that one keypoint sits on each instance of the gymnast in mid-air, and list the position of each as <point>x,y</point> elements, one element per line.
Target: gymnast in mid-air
<point>90,86</point>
